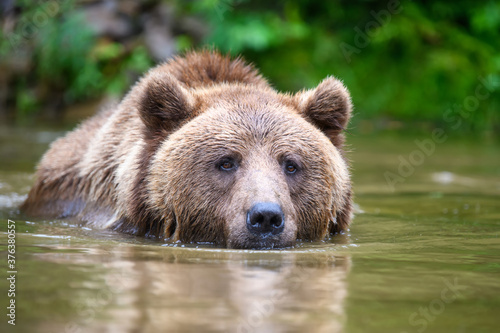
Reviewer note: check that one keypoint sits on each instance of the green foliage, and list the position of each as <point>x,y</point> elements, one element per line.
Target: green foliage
<point>70,63</point>
<point>63,52</point>
<point>422,63</point>
<point>417,64</point>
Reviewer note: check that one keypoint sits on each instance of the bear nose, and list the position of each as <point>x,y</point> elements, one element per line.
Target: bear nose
<point>265,218</point>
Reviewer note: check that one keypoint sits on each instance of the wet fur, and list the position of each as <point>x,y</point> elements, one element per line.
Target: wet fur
<point>131,167</point>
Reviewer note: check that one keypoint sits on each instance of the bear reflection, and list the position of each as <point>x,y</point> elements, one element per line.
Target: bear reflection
<point>179,289</point>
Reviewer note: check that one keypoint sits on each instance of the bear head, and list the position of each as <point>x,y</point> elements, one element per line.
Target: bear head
<point>241,165</point>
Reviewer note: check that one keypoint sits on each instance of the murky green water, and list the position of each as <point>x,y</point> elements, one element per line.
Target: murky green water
<point>423,256</point>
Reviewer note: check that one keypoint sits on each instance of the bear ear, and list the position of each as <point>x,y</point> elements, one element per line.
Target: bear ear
<point>165,104</point>
<point>328,107</point>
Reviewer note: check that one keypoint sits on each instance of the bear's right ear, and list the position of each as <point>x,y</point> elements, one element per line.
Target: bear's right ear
<point>328,107</point>
<point>164,104</point>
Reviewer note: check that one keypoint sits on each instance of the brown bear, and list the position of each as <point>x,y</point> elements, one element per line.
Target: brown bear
<point>202,149</point>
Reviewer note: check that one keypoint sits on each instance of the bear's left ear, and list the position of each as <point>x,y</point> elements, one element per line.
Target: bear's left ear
<point>328,107</point>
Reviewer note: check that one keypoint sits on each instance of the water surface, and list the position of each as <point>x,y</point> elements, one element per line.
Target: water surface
<point>422,255</point>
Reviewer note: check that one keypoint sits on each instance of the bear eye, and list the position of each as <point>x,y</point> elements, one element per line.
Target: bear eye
<point>290,167</point>
<point>227,165</point>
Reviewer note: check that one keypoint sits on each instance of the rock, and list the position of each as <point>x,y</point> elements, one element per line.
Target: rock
<point>105,19</point>
<point>192,26</point>
<point>158,33</point>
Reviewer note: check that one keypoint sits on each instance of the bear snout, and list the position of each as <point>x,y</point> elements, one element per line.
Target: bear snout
<point>265,219</point>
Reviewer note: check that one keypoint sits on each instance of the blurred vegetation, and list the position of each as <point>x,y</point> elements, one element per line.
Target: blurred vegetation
<point>410,65</point>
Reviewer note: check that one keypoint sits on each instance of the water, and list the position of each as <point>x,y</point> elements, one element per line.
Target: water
<point>421,256</point>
